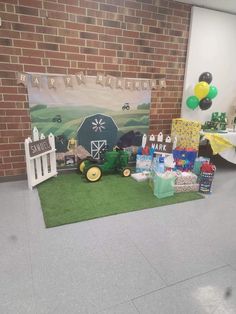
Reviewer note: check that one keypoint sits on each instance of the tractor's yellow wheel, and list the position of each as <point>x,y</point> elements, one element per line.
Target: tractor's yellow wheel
<point>81,166</point>
<point>93,174</point>
<point>126,172</point>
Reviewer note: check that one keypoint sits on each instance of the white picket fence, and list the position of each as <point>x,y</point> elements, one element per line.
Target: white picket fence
<point>43,166</point>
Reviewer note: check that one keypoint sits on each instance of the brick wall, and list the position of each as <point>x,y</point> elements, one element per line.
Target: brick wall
<point>128,38</point>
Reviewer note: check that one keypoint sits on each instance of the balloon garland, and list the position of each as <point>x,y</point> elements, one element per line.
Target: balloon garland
<point>203,93</point>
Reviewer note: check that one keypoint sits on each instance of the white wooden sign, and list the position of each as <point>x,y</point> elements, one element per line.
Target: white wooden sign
<point>40,154</point>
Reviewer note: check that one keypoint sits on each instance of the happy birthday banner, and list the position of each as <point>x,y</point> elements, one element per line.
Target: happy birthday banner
<point>72,81</point>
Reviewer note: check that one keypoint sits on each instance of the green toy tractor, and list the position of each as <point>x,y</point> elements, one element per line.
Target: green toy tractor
<point>110,162</point>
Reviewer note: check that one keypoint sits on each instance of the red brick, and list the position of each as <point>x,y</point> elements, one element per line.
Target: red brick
<point>57,15</point>
<point>89,4</point>
<point>95,28</point>
<point>86,65</point>
<point>33,53</point>
<point>107,7</point>
<point>54,23</point>
<point>75,56</point>
<point>30,20</point>
<point>107,52</point>
<point>11,67</point>
<point>56,70</point>
<point>4,58</point>
<point>31,3</point>
<point>46,30</point>
<point>75,41</point>
<point>9,34</point>
<point>54,6</point>
<point>77,26</point>
<point>59,63</point>
<point>32,36</point>
<point>75,10</point>
<point>7,90</point>
<point>24,43</point>
<point>34,68</point>
<point>68,32</point>
<point>48,46</point>
<point>66,48</point>
<point>9,17</point>
<point>29,60</point>
<point>90,58</point>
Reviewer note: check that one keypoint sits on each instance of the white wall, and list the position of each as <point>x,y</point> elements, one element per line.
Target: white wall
<point>212,48</point>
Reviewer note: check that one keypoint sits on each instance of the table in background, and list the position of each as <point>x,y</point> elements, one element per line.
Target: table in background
<point>230,153</point>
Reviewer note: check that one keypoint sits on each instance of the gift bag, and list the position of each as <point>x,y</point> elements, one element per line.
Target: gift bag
<point>184,158</point>
<point>198,163</point>
<point>187,132</point>
<point>163,185</point>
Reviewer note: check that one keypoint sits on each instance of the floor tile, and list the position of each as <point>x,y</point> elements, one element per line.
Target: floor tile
<point>204,294</point>
<point>126,308</point>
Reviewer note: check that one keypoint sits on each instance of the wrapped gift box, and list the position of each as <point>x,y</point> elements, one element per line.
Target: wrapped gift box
<point>186,188</point>
<point>143,163</point>
<point>185,178</point>
<point>187,132</point>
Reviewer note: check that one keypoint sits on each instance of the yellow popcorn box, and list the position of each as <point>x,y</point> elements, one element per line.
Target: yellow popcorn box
<point>187,132</point>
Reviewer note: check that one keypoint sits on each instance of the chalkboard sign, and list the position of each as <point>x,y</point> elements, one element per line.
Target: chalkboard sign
<point>39,147</point>
<point>162,147</point>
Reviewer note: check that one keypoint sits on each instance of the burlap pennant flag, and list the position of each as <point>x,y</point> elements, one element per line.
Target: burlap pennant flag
<point>119,83</point>
<point>51,82</point>
<point>110,81</point>
<point>100,79</point>
<point>35,81</point>
<point>22,78</point>
<point>68,81</point>
<point>80,77</point>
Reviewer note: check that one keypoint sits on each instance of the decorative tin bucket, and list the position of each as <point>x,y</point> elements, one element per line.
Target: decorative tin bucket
<point>205,182</point>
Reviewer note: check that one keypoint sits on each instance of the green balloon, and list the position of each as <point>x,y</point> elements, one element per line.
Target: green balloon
<point>212,92</point>
<point>192,102</point>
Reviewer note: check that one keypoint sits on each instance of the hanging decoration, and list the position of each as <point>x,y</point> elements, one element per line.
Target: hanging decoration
<point>22,78</point>
<point>153,84</point>
<point>110,81</point>
<point>68,81</point>
<point>129,84</point>
<point>119,83</point>
<point>100,79</point>
<point>80,78</point>
<point>71,81</point>
<point>51,82</point>
<point>35,81</point>
<point>203,93</point>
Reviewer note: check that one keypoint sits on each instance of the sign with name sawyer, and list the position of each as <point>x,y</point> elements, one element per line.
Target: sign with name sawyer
<point>39,147</point>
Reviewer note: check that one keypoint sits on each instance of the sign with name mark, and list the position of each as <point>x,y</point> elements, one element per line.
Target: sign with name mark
<point>163,147</point>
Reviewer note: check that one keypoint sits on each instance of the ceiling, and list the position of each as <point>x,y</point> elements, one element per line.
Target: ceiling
<point>220,5</point>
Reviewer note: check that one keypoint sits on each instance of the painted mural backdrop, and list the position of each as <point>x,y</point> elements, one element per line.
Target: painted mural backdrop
<point>89,116</point>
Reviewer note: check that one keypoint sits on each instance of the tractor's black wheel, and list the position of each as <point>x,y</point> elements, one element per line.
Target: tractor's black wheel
<point>93,173</point>
<point>126,172</point>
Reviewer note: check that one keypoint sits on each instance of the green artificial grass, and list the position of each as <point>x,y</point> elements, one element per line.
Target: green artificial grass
<point>70,198</point>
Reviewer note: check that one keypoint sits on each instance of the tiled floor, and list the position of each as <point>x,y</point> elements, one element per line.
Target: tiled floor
<point>178,259</point>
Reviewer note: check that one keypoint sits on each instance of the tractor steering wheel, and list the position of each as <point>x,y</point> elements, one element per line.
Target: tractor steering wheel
<point>102,152</point>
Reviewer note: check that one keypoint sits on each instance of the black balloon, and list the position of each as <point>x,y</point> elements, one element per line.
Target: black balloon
<point>205,77</point>
<point>205,103</point>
